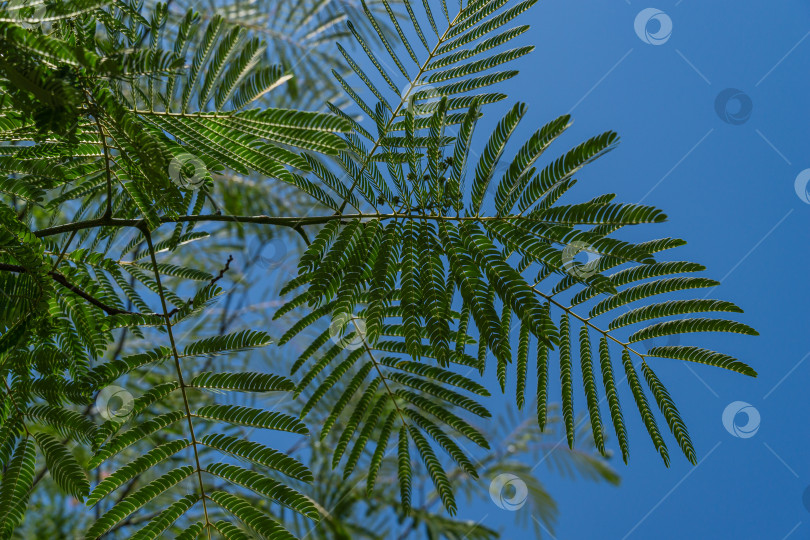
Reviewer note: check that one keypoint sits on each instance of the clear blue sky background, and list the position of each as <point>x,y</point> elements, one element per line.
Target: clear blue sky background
<point>728,190</point>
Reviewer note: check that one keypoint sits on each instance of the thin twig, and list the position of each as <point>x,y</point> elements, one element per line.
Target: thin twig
<point>62,280</point>
<point>148,235</point>
<point>225,269</point>
<point>293,222</point>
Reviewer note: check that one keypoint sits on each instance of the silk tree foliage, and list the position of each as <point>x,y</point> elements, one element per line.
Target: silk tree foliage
<point>428,257</point>
<point>298,33</point>
<point>517,445</point>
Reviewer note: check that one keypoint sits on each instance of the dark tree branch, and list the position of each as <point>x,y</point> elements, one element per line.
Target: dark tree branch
<point>225,269</point>
<point>293,222</point>
<point>62,280</point>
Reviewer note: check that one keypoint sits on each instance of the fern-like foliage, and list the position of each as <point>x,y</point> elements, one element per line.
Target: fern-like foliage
<point>87,121</point>
<point>431,264</point>
<point>300,36</point>
<point>425,262</point>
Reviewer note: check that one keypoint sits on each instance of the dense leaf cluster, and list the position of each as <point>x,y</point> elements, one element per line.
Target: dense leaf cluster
<point>433,260</point>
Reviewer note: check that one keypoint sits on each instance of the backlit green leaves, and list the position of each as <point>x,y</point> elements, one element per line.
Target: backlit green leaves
<point>17,482</point>
<point>63,467</point>
<point>429,263</point>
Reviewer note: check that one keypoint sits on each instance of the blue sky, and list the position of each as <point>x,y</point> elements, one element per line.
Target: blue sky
<point>728,188</point>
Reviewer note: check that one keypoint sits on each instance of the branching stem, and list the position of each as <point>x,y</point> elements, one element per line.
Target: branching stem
<point>294,222</point>
<point>148,236</point>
